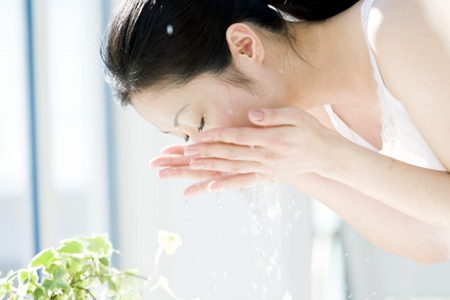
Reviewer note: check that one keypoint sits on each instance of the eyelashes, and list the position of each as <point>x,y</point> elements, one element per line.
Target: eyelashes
<point>200,129</point>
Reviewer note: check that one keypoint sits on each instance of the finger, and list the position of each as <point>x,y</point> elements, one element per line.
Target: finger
<point>170,160</point>
<point>224,165</point>
<point>240,136</point>
<point>173,149</point>
<point>225,151</point>
<point>221,183</point>
<point>278,116</point>
<point>233,182</point>
<point>187,173</point>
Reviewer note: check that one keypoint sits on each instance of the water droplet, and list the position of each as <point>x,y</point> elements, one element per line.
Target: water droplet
<point>288,229</point>
<point>349,296</point>
<point>169,29</point>
<point>215,288</point>
<point>297,213</point>
<point>254,286</point>
<point>213,275</point>
<point>224,274</point>
<point>367,259</point>
<point>287,295</point>
<point>264,288</point>
<point>217,236</point>
<point>281,71</point>
<point>252,147</point>
<point>186,203</point>
<point>374,293</point>
<point>346,254</point>
<point>279,274</point>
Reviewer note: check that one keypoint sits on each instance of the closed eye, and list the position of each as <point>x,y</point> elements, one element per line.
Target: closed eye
<point>200,129</point>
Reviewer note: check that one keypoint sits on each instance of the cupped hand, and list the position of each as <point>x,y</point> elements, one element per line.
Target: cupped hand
<point>288,142</point>
<point>178,166</point>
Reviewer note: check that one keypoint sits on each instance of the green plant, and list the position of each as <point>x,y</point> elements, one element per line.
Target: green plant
<point>80,264</point>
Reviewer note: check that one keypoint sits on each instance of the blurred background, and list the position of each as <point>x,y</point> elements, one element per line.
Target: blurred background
<point>73,163</point>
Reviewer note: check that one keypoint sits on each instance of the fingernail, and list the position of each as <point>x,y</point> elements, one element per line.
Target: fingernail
<point>196,165</point>
<point>190,152</point>
<point>206,138</point>
<point>212,186</point>
<point>161,174</point>
<point>257,115</point>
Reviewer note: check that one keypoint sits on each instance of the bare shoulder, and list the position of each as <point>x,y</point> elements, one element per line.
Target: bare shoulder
<point>408,18</point>
<point>411,43</point>
<point>407,36</point>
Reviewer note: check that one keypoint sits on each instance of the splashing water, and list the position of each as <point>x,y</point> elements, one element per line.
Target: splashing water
<point>287,296</point>
<point>288,229</point>
<point>219,204</point>
<point>264,212</point>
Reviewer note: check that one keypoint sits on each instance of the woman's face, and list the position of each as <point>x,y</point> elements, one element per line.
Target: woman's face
<point>220,104</point>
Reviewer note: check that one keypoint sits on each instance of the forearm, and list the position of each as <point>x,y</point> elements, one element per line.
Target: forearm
<point>423,194</point>
<point>383,226</point>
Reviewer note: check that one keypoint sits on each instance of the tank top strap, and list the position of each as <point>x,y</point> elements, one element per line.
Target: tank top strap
<point>389,131</point>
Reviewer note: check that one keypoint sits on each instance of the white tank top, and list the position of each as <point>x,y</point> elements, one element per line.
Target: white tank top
<point>401,139</point>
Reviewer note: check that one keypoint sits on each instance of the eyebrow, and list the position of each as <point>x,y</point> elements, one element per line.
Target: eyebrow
<point>175,120</point>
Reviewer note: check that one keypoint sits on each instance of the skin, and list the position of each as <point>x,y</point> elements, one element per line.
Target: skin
<point>409,204</point>
<point>337,64</point>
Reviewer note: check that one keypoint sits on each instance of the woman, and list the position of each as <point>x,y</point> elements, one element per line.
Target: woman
<point>349,106</point>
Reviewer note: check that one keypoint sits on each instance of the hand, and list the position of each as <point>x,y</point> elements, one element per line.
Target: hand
<point>289,142</point>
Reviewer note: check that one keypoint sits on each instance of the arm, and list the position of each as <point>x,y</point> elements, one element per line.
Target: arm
<point>423,194</point>
<point>383,226</point>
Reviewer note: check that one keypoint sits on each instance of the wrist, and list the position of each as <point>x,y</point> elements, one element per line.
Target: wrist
<point>337,156</point>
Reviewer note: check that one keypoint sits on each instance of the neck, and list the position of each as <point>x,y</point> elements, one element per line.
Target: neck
<point>337,68</point>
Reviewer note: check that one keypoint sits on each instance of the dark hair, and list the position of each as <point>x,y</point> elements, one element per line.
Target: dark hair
<point>167,43</point>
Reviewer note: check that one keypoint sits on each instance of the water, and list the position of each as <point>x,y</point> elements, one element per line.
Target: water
<point>264,211</point>
<point>169,29</point>
<point>219,205</point>
<point>287,296</point>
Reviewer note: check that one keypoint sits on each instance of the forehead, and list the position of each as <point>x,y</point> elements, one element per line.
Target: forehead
<point>202,87</point>
<point>159,107</point>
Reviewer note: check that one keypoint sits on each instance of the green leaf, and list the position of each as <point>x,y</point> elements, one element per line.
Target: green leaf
<point>170,241</point>
<point>70,246</point>
<point>44,258</point>
<point>52,267</point>
<point>98,244</point>
<point>3,291</point>
<point>24,276</point>
<point>58,282</point>
<point>104,261</point>
<point>132,272</point>
<point>112,286</point>
<point>39,294</point>
<point>76,264</point>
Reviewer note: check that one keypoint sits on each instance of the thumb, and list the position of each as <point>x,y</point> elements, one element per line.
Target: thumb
<point>276,116</point>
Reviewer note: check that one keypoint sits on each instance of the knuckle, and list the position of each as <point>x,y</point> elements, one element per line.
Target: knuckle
<point>237,168</point>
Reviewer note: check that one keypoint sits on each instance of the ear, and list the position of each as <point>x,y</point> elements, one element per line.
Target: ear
<point>244,43</point>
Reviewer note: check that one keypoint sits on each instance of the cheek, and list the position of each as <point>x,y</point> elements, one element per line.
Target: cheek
<point>231,114</point>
